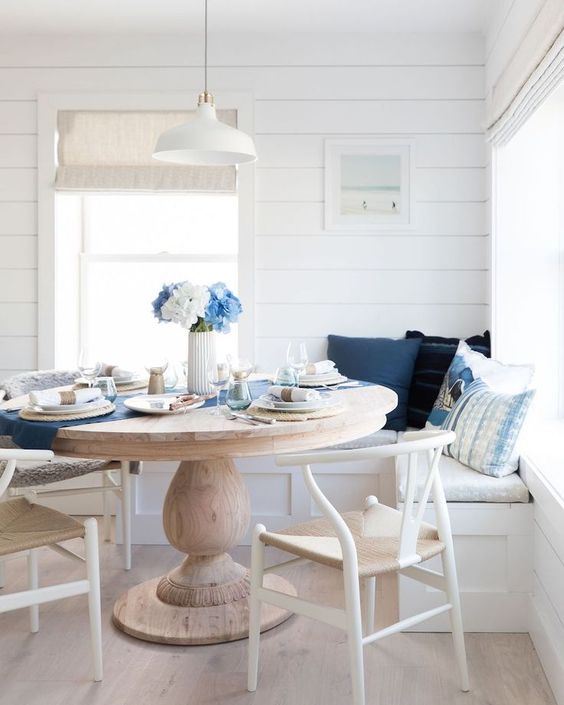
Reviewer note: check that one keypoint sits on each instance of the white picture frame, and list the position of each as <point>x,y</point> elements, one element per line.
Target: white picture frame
<point>369,184</point>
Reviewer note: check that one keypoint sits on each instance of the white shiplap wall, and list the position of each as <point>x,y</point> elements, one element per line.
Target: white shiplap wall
<point>307,88</point>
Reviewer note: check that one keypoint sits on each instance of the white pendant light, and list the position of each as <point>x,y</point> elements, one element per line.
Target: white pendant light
<point>205,140</point>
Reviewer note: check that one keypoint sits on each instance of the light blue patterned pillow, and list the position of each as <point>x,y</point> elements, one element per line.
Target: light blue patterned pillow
<point>487,426</point>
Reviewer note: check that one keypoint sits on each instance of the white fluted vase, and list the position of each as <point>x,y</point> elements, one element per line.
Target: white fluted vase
<point>201,350</point>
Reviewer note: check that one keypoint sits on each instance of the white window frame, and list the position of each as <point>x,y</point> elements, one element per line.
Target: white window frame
<point>49,104</point>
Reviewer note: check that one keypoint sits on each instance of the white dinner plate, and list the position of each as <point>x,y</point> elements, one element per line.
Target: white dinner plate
<point>59,409</point>
<point>321,376</point>
<point>321,380</point>
<point>118,382</point>
<point>157,404</point>
<point>299,406</point>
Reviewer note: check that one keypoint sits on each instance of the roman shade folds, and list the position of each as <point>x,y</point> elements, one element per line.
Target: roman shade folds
<point>535,70</point>
<point>112,151</point>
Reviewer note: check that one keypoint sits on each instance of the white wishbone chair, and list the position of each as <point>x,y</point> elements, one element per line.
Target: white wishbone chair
<point>115,475</point>
<point>364,544</point>
<point>25,527</point>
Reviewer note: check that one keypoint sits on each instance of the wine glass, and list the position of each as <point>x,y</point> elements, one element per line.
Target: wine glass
<point>89,365</point>
<point>218,376</point>
<point>296,357</point>
<point>241,367</point>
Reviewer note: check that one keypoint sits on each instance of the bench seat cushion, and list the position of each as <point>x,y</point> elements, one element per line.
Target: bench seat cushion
<point>379,438</point>
<point>462,484</point>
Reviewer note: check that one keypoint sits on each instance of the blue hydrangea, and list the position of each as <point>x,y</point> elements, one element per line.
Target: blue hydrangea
<point>162,298</point>
<point>223,308</point>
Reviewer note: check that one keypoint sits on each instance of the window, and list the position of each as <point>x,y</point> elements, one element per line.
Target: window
<point>114,224</point>
<point>528,265</point>
<point>114,252</point>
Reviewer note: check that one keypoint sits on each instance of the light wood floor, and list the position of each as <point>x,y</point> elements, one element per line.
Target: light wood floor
<point>302,662</point>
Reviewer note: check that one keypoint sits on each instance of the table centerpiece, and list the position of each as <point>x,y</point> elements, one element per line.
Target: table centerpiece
<point>202,310</point>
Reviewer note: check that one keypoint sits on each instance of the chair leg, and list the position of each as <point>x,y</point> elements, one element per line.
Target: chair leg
<point>453,596</point>
<point>369,584</point>
<point>257,571</point>
<point>33,584</point>
<point>369,605</point>
<point>354,633</point>
<point>94,605</point>
<point>107,508</point>
<point>126,514</point>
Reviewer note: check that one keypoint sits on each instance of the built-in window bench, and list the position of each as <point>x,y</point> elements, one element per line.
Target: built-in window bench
<point>492,521</point>
<point>492,525</point>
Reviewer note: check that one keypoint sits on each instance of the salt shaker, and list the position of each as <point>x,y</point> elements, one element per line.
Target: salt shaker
<point>156,380</point>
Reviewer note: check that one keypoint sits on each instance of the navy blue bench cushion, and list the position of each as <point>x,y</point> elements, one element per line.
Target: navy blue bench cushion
<point>433,360</point>
<point>382,361</point>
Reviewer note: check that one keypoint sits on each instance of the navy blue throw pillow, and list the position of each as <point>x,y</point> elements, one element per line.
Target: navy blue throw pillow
<point>433,361</point>
<point>382,361</point>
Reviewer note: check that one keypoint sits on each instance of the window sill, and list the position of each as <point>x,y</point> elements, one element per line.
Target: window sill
<point>542,461</point>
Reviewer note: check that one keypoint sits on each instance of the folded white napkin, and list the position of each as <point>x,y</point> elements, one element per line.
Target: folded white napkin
<point>116,372</point>
<point>293,393</point>
<point>55,397</point>
<point>320,368</point>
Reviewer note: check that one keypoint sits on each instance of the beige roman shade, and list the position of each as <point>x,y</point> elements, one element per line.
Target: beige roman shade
<point>112,151</point>
<point>534,71</point>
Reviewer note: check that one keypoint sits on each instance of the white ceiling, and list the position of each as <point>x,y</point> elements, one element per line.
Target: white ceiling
<point>179,16</point>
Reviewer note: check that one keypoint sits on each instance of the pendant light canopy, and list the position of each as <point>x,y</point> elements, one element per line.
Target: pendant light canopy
<point>205,140</point>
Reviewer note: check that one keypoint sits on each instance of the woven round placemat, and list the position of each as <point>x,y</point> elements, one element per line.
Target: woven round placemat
<point>29,415</point>
<point>294,416</point>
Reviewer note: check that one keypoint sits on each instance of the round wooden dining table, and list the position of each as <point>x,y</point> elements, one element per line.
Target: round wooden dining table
<point>207,509</point>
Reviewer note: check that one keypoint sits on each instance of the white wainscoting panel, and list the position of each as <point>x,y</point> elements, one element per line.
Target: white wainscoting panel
<point>494,556</point>
<point>278,495</point>
<point>543,478</point>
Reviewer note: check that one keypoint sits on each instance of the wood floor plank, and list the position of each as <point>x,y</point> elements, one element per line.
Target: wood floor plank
<point>302,662</point>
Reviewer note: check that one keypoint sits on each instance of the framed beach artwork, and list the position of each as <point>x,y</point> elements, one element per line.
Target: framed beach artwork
<point>369,184</point>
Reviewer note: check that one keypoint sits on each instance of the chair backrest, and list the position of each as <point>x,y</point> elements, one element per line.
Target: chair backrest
<point>428,443</point>
<point>10,457</point>
<point>26,382</point>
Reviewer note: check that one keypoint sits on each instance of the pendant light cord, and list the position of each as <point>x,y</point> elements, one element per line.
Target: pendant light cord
<point>206,46</point>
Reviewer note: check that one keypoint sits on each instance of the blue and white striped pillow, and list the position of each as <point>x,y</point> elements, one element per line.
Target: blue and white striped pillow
<point>487,426</point>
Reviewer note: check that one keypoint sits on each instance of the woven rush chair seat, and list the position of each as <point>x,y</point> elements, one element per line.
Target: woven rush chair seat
<point>24,526</point>
<point>30,474</point>
<point>376,533</point>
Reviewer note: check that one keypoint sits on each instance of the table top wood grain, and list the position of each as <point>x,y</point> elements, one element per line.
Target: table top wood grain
<point>198,435</point>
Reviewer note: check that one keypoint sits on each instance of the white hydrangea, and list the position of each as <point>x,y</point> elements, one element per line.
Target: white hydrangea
<point>186,304</point>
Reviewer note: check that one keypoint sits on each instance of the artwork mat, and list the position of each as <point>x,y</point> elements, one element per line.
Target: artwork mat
<point>335,149</point>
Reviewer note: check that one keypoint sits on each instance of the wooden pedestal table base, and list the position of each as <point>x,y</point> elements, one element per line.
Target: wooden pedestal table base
<point>204,600</point>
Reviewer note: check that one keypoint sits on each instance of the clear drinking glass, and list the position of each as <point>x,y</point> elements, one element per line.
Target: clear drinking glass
<point>170,377</point>
<point>107,386</point>
<point>296,357</point>
<point>218,377</point>
<point>238,396</point>
<point>286,377</point>
<point>89,365</point>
